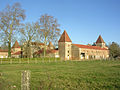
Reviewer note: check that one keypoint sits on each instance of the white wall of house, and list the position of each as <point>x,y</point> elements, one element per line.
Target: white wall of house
<point>3,54</point>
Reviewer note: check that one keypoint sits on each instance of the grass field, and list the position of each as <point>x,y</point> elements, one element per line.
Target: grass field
<point>65,75</point>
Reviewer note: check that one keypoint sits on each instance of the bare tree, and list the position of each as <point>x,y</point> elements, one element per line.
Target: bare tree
<point>28,34</point>
<point>10,19</point>
<point>49,30</point>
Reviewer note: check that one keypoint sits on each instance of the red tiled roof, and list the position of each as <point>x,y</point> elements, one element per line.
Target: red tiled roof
<point>89,47</point>
<point>36,43</point>
<point>3,50</point>
<point>50,44</point>
<point>16,45</point>
<point>64,37</point>
<point>100,40</point>
<point>17,53</point>
<point>47,51</point>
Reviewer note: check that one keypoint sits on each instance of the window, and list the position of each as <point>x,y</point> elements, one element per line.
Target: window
<point>68,51</point>
<point>83,54</point>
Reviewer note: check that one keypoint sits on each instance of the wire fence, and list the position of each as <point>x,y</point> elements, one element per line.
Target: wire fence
<point>38,60</point>
<point>28,60</point>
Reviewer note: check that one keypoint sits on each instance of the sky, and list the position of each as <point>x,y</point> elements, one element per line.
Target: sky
<point>84,20</point>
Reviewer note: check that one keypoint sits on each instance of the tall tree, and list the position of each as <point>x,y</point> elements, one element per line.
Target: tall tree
<point>114,50</point>
<point>28,34</point>
<point>10,19</point>
<point>49,30</point>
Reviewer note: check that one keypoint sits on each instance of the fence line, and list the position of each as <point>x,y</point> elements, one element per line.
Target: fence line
<point>35,60</point>
<point>27,60</point>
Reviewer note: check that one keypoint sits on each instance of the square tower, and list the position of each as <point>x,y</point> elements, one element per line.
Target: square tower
<point>64,46</point>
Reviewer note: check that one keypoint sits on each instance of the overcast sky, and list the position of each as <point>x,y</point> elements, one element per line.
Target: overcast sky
<point>84,20</point>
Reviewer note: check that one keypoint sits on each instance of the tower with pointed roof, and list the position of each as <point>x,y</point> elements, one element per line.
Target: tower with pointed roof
<point>51,46</point>
<point>16,47</point>
<point>65,45</point>
<point>100,42</point>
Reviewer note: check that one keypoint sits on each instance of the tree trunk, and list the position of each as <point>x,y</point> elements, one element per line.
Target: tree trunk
<point>9,42</point>
<point>45,48</point>
<point>9,49</point>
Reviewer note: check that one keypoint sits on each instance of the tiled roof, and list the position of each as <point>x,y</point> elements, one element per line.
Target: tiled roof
<point>50,44</point>
<point>89,47</point>
<point>64,37</point>
<point>16,45</point>
<point>3,50</point>
<point>36,43</point>
<point>17,53</point>
<point>100,40</point>
<point>47,51</point>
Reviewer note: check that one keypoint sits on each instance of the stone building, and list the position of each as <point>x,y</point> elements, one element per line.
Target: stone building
<point>68,51</point>
<point>51,51</point>
<point>65,46</point>
<point>30,49</point>
<point>36,50</point>
<point>15,51</point>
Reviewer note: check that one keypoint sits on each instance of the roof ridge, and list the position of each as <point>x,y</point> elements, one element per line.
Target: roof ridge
<point>89,47</point>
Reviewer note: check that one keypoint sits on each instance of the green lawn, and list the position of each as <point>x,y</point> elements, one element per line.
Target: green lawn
<point>69,75</point>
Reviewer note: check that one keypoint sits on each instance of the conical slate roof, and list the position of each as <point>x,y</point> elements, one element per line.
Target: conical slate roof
<point>64,37</point>
<point>16,45</point>
<point>100,40</point>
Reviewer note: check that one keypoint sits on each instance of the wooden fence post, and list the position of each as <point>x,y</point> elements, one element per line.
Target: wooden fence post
<point>25,79</point>
<point>61,59</point>
<point>10,61</point>
<point>19,59</point>
<point>1,60</point>
<point>43,59</point>
<point>55,59</point>
<point>28,60</point>
<point>49,58</point>
<point>35,60</point>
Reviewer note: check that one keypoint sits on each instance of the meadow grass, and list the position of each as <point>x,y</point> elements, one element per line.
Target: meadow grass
<point>65,75</point>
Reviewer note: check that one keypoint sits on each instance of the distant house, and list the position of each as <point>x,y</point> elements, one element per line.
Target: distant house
<point>49,53</point>
<point>36,49</point>
<point>3,53</point>
<point>15,51</point>
<point>33,47</point>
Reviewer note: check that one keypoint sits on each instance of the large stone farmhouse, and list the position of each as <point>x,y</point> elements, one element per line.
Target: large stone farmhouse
<point>66,50</point>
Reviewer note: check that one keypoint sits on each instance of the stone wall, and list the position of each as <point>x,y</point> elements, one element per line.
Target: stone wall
<point>75,52</point>
<point>61,48</point>
<point>95,54</point>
